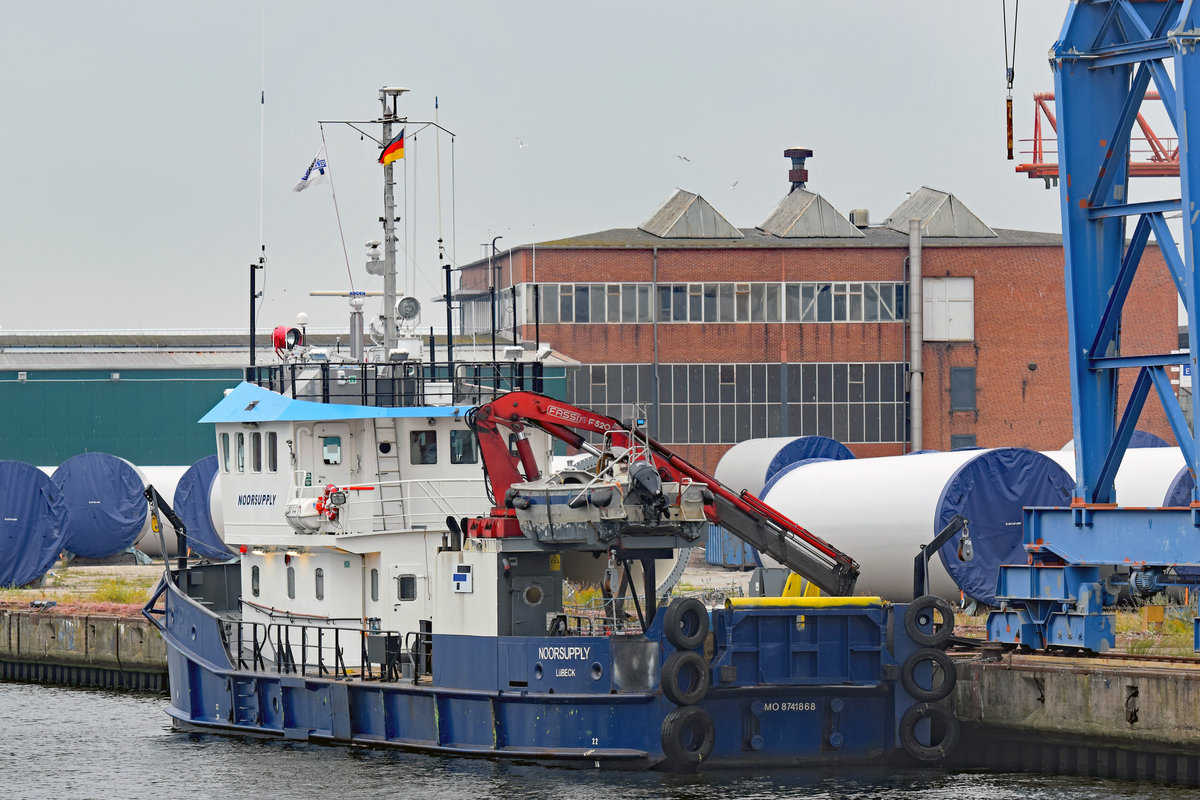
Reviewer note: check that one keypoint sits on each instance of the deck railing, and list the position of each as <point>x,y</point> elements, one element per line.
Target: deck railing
<point>399,384</point>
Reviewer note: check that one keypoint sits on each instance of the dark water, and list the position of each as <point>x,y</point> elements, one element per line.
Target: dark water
<point>58,743</point>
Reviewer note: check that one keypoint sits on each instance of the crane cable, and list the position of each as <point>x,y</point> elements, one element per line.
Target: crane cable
<point>1010,59</point>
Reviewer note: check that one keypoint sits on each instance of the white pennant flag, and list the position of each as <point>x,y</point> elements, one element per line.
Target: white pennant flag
<point>317,172</point>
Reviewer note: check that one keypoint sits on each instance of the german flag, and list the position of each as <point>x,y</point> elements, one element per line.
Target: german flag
<point>393,150</point>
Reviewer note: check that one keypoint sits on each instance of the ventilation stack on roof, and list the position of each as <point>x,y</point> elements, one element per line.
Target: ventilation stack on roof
<point>685,215</point>
<point>860,218</point>
<point>805,215</point>
<point>798,175</point>
<point>941,215</point>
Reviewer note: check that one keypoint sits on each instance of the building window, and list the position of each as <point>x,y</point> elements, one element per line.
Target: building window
<point>422,447</point>
<point>374,586</point>
<point>629,302</point>
<point>291,583</point>
<point>462,447</point>
<point>406,588</point>
<point>949,309</point>
<point>962,440</point>
<point>728,403</point>
<point>254,580</point>
<point>962,388</point>
<point>319,577</point>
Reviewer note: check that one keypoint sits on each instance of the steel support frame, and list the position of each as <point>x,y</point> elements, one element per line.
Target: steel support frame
<point>1107,56</point>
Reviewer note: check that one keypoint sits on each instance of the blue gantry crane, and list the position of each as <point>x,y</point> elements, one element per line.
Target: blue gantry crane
<point>1109,54</point>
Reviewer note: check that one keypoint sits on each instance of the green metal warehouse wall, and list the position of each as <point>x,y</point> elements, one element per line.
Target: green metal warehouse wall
<point>145,416</point>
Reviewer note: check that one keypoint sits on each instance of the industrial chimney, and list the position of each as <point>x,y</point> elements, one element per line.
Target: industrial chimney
<point>798,175</point>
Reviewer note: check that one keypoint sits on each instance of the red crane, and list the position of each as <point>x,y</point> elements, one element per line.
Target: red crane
<point>742,514</point>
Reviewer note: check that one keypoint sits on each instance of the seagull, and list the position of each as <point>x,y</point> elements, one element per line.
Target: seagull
<point>684,158</point>
<point>734,184</point>
<point>520,144</point>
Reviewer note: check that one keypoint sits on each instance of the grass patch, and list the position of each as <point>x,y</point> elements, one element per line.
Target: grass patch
<point>120,590</point>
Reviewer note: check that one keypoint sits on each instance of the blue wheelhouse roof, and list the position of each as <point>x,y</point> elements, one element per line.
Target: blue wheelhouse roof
<point>251,403</point>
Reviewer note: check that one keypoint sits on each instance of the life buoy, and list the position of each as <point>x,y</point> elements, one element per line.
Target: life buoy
<point>921,616</point>
<point>943,732</point>
<point>685,678</point>
<point>935,690</point>
<point>685,623</point>
<point>688,736</point>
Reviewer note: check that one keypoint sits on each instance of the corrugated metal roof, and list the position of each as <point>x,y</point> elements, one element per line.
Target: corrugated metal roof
<point>941,214</point>
<point>130,359</point>
<point>685,215</point>
<point>186,339</point>
<point>754,238</point>
<point>805,215</point>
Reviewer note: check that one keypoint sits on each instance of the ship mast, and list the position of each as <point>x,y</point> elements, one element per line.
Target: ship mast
<point>389,224</point>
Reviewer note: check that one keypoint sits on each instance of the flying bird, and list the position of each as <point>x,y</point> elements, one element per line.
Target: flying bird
<point>734,184</point>
<point>684,158</point>
<point>520,144</point>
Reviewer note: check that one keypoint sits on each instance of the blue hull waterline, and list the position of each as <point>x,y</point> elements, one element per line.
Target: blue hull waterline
<point>786,685</point>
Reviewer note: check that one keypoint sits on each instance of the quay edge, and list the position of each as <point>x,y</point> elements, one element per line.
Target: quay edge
<point>1137,720</point>
<point>102,651</point>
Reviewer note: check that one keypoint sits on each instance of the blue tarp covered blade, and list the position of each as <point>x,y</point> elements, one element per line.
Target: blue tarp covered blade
<point>107,508</point>
<point>991,492</point>
<point>33,520</point>
<point>192,506</point>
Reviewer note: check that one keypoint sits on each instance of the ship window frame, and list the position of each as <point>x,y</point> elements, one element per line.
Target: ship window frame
<point>225,452</point>
<point>241,452</point>
<point>291,583</point>
<point>255,581</point>
<point>462,447</point>
<point>328,456</point>
<point>319,583</point>
<point>407,580</point>
<point>256,459</point>
<point>422,451</point>
<point>272,451</point>
<point>374,585</point>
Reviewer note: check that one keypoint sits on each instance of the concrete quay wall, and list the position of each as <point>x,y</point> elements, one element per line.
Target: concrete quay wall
<point>1082,716</point>
<point>82,650</point>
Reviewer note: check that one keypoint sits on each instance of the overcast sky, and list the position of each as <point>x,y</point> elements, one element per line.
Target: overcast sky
<point>131,191</point>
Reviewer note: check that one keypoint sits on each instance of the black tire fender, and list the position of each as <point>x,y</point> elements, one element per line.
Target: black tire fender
<point>920,614</point>
<point>685,623</point>
<point>937,716</point>
<point>685,678</point>
<point>688,736</point>
<point>934,692</point>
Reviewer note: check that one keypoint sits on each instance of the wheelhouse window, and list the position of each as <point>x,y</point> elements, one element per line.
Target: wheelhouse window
<point>241,452</point>
<point>462,448</point>
<point>422,447</point>
<point>256,452</point>
<point>225,452</point>
<point>272,452</point>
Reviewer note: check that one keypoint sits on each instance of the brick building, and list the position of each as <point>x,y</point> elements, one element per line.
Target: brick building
<point>800,326</point>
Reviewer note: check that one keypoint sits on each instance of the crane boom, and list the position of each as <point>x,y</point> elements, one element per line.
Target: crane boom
<point>742,514</point>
